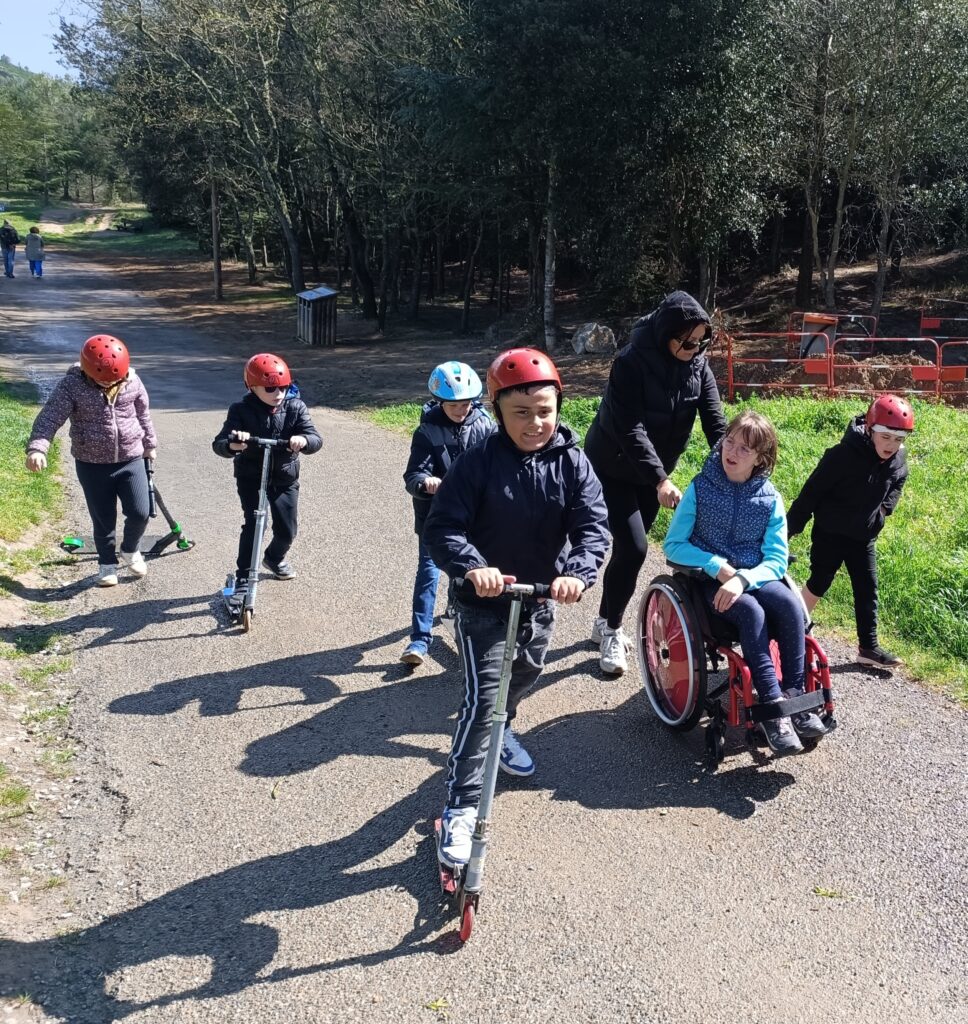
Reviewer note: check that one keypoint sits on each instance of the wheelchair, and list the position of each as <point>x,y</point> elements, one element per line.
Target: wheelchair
<point>688,662</point>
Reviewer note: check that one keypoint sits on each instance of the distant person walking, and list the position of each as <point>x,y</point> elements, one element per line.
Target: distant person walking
<point>34,251</point>
<point>9,240</point>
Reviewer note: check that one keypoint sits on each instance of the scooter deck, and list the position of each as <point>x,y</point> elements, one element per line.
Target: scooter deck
<point>449,878</point>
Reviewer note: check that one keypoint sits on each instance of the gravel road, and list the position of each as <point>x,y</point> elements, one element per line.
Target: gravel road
<point>249,838</point>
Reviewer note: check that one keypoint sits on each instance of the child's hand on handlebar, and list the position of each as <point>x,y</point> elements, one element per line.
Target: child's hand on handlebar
<point>566,589</point>
<point>487,582</point>
<point>431,484</point>
<point>296,443</point>
<point>240,437</point>
<point>728,594</point>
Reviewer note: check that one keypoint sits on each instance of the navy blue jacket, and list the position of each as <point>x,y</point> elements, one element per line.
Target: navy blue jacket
<point>258,419</point>
<point>852,490</point>
<point>436,442</point>
<point>651,400</point>
<point>534,515</point>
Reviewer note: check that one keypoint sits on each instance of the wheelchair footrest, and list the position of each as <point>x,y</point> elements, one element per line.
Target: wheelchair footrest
<point>790,706</point>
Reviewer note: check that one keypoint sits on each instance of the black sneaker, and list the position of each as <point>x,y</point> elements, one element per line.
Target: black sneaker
<point>281,571</point>
<point>781,736</point>
<point>878,657</point>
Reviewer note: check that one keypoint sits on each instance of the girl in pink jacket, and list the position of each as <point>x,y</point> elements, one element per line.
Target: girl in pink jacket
<point>111,436</point>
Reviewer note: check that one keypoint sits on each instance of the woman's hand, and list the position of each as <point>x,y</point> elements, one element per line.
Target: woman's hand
<point>728,594</point>
<point>669,494</point>
<point>36,461</point>
<point>151,454</point>
<point>566,589</point>
<point>431,484</point>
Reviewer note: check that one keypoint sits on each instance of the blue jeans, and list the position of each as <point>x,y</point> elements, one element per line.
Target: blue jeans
<point>8,255</point>
<point>424,597</point>
<point>37,268</point>
<point>773,611</point>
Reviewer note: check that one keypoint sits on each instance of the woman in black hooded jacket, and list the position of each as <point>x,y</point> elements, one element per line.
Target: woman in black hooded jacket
<point>657,385</point>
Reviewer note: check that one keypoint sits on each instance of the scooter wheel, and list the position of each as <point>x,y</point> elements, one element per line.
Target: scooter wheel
<point>246,619</point>
<point>467,921</point>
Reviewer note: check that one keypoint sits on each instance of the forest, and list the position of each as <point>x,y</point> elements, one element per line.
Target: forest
<point>401,149</point>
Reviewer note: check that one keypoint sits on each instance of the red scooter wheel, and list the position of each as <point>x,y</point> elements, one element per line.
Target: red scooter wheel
<point>467,921</point>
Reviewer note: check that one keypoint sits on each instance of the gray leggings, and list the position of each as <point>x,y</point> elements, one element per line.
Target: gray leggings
<point>481,632</point>
<point>103,485</point>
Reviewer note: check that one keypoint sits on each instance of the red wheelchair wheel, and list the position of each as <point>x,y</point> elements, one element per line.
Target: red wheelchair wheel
<point>672,658</point>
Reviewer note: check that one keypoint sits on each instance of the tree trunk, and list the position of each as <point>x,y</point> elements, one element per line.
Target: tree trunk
<point>356,242</point>
<point>216,244</point>
<point>413,309</point>
<point>550,330</point>
<point>773,267</point>
<point>465,320</point>
<point>381,318</point>
<point>708,279</point>
<point>883,256</point>
<point>843,175</point>
<point>439,284</point>
<point>803,298</point>
<point>245,235</point>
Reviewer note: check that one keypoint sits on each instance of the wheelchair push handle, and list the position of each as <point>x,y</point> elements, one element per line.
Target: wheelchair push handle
<point>511,588</point>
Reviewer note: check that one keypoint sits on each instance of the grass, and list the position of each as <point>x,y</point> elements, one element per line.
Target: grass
<point>13,795</point>
<point>31,641</point>
<point>25,498</point>
<point>37,677</point>
<point>57,713</point>
<point>922,552</point>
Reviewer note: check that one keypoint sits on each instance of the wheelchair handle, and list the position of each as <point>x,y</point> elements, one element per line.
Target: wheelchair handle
<point>512,589</point>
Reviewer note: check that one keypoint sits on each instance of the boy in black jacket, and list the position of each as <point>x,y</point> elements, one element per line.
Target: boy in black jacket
<point>267,411</point>
<point>525,503</point>
<point>854,488</point>
<point>450,424</point>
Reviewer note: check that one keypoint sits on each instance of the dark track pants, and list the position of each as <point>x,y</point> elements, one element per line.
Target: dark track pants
<point>828,552</point>
<point>481,633</point>
<point>282,509</point>
<point>631,512</point>
<point>104,484</point>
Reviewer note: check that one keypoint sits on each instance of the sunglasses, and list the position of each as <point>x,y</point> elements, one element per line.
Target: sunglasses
<point>271,389</point>
<point>690,346</point>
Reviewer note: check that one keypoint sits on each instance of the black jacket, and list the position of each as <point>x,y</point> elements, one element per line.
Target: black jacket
<point>258,419</point>
<point>434,446</point>
<point>650,403</point>
<point>8,237</point>
<point>532,515</point>
<point>852,490</point>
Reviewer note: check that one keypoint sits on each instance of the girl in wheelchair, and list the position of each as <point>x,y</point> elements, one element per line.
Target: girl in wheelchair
<point>731,524</point>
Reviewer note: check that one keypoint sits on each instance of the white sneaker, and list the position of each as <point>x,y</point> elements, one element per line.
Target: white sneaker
<point>107,575</point>
<point>598,625</point>
<point>135,562</point>
<point>456,832</point>
<point>613,648</point>
<point>514,759</point>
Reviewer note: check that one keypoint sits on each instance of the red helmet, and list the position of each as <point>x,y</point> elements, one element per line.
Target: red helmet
<point>518,367</point>
<point>267,371</point>
<point>890,411</point>
<point>105,359</point>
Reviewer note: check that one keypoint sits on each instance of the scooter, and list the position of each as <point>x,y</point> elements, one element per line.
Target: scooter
<point>465,884</point>
<point>175,532</point>
<point>240,602</point>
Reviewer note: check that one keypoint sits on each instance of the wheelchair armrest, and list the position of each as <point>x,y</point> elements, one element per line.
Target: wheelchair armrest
<point>686,570</point>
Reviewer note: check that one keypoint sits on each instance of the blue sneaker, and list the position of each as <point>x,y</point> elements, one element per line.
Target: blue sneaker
<point>515,760</point>
<point>414,653</point>
<point>456,832</point>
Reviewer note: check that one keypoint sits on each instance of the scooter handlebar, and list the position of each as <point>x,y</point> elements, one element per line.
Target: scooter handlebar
<point>513,589</point>
<point>264,442</point>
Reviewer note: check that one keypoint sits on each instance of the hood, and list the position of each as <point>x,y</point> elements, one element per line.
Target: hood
<point>677,312</point>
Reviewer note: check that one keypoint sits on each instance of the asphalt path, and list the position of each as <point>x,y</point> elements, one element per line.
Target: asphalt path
<point>250,835</point>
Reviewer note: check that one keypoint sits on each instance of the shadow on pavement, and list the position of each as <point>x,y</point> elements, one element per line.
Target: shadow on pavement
<point>70,977</point>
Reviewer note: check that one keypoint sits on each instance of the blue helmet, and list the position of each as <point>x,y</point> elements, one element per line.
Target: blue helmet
<point>455,382</point>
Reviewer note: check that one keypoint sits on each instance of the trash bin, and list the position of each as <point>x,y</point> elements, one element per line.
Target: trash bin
<point>316,316</point>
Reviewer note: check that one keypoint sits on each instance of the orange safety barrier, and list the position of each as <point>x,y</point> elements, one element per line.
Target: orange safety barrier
<point>861,326</point>
<point>745,350</point>
<point>909,366</point>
